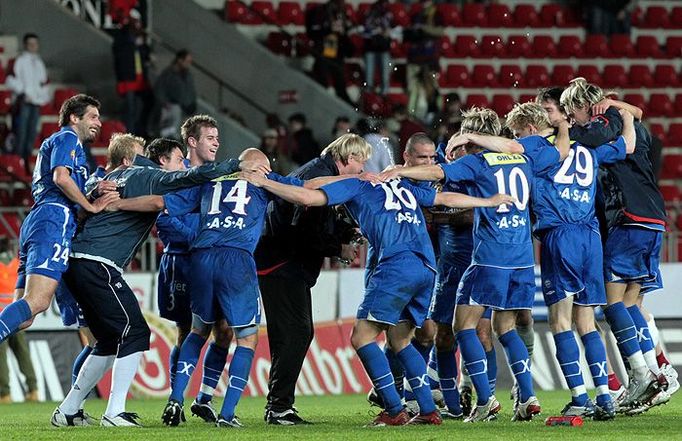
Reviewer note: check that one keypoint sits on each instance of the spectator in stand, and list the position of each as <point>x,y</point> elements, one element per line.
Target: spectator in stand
<point>131,64</point>
<point>404,126</point>
<point>28,84</point>
<point>377,45</point>
<point>302,144</point>
<point>327,27</point>
<point>423,96</point>
<point>341,126</point>
<point>376,135</point>
<point>270,145</point>
<point>176,97</point>
<point>609,16</point>
<point>9,263</point>
<point>452,110</point>
<point>423,56</point>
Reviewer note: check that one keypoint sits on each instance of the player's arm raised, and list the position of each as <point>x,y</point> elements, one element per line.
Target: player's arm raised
<point>604,104</point>
<point>318,182</point>
<point>628,132</point>
<point>563,139</point>
<point>459,200</point>
<point>290,193</point>
<point>418,173</point>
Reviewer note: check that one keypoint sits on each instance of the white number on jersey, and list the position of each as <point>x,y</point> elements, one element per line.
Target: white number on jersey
<point>237,194</point>
<point>395,196</point>
<point>520,192</point>
<point>584,168</point>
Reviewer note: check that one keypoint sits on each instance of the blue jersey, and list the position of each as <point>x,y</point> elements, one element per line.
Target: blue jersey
<point>61,149</point>
<point>177,233</point>
<point>388,215</point>
<point>502,236</point>
<point>232,211</point>
<point>565,193</point>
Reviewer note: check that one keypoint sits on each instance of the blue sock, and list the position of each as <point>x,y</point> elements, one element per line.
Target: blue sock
<point>12,316</point>
<point>424,351</point>
<point>646,343</point>
<point>623,328</point>
<point>173,363</point>
<point>418,379</point>
<point>432,369</point>
<point>491,357</point>
<point>238,376</point>
<point>214,363</point>
<point>397,370</point>
<point>187,362</point>
<point>517,357</point>
<point>568,355</point>
<point>78,363</point>
<point>377,368</point>
<point>471,350</point>
<point>447,373</point>
<point>595,353</point>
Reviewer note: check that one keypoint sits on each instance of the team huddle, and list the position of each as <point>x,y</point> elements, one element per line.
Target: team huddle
<point>576,177</point>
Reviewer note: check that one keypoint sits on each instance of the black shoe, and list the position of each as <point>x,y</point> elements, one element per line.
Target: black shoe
<point>375,399</point>
<point>288,417</point>
<point>173,414</point>
<point>204,411</point>
<point>465,400</point>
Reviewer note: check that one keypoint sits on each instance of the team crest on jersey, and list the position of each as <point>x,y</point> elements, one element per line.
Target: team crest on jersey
<point>503,158</point>
<point>73,155</point>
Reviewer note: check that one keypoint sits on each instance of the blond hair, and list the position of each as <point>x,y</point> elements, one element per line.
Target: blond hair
<point>480,120</point>
<point>348,145</point>
<point>122,146</point>
<point>580,94</point>
<point>526,114</point>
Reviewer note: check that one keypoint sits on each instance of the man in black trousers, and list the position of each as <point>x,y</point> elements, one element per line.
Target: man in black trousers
<point>289,257</point>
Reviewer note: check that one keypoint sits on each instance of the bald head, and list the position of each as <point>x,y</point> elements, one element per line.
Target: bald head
<point>255,155</point>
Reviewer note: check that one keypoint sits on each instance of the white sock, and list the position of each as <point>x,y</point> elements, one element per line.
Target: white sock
<point>94,367</point>
<point>638,364</point>
<point>651,362</point>
<point>653,330</point>
<point>121,379</point>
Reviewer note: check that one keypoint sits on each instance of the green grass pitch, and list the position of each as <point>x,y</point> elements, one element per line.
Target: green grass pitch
<point>341,417</point>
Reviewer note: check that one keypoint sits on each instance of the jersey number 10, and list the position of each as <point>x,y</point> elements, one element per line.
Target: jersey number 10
<point>520,192</point>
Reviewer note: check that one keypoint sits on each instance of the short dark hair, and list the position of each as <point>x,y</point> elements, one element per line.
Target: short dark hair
<point>163,147</point>
<point>28,36</point>
<point>76,105</point>
<point>181,55</point>
<point>297,117</point>
<point>417,138</point>
<point>550,94</point>
<point>191,128</point>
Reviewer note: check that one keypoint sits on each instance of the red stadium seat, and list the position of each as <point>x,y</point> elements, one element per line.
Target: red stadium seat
<point>660,105</point>
<point>265,11</point>
<point>673,47</point>
<point>373,104</point>
<point>492,46</point>
<point>483,75</point>
<point>3,75</point>
<point>511,76</point>
<point>551,14</point>
<point>466,46</point>
<point>640,76</point>
<point>671,193</point>
<point>647,46</point>
<point>473,14</point>
<point>665,76</point>
<point>527,98</point>
<point>500,16</point>
<point>675,134</point>
<point>526,15</point>
<point>14,223</point>
<point>636,99</point>
<point>449,14</point>
<point>476,100</point>
<point>399,49</point>
<point>590,73</point>
<point>543,47</point>
<point>290,13</point>
<point>361,12</point>
<point>672,167</point>
<point>5,102</point>
<point>445,47</point>
<point>676,19</point>
<point>400,14</point>
<point>677,105</point>
<point>658,131</point>
<point>518,46</point>
<point>280,43</point>
<point>656,17</point>
<point>61,95</point>
<point>393,99</point>
<point>303,45</point>
<point>596,46</point>
<point>357,43</point>
<point>14,165</point>
<point>570,46</point>
<point>614,76</point>
<point>562,74</point>
<point>47,129</point>
<point>109,127</point>
<point>457,75</point>
<point>502,104</point>
<point>621,46</point>
<point>235,11</point>
<point>537,75</point>
<point>350,13</point>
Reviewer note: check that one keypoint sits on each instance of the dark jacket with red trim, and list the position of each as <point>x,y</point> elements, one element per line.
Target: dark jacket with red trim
<point>628,188</point>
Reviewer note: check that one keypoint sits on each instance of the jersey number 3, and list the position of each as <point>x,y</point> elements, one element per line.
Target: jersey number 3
<point>237,195</point>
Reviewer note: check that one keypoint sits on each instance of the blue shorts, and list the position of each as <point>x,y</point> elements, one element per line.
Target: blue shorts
<point>399,289</point>
<point>652,285</point>
<point>571,265</point>
<point>69,309</point>
<point>632,254</point>
<point>45,242</point>
<point>498,288</point>
<point>225,286</point>
<point>172,290</point>
<point>451,268</point>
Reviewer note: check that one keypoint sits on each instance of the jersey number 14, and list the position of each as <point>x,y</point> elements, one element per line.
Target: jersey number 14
<point>236,195</point>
